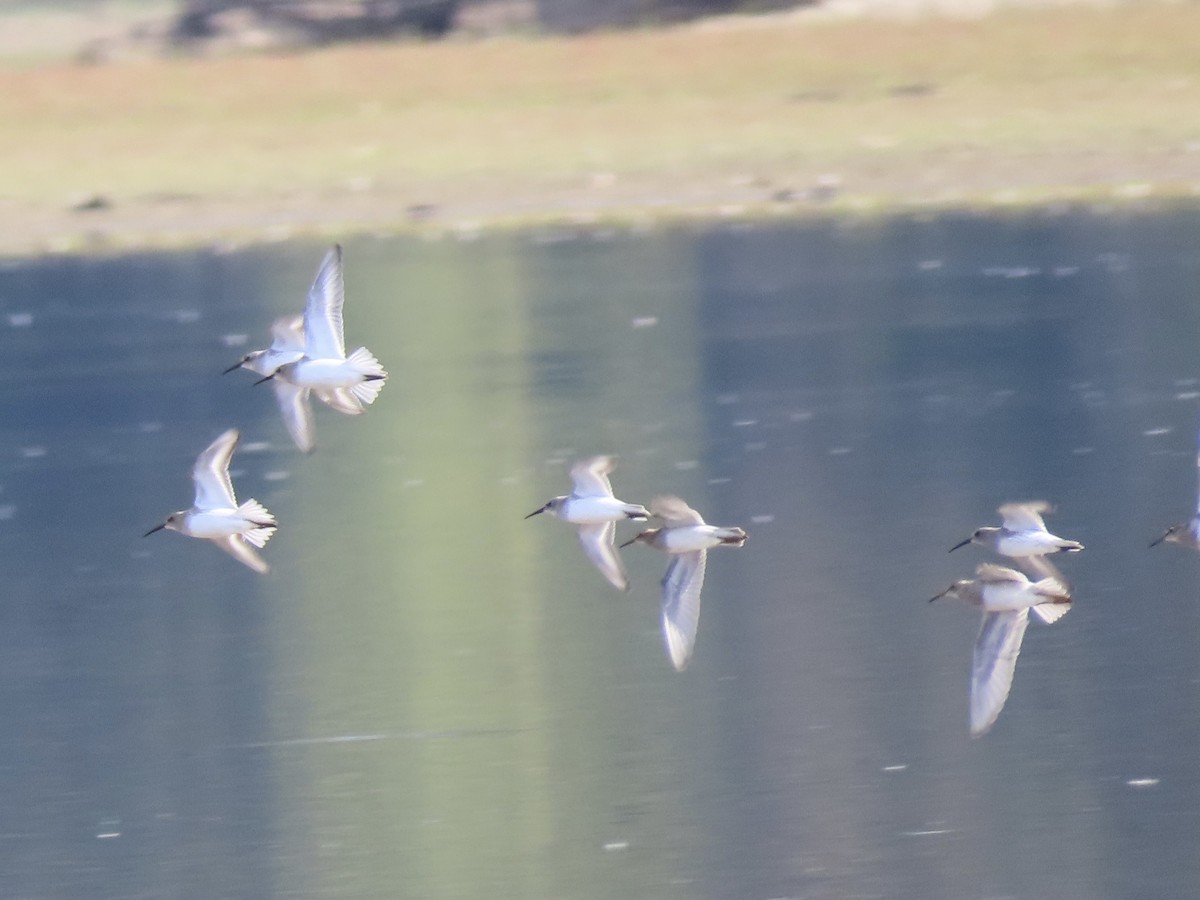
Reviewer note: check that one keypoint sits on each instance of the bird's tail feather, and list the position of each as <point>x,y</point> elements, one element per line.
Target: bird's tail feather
<point>255,512</point>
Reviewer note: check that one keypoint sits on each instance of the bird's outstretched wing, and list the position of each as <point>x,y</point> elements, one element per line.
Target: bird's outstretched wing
<point>287,335</point>
<point>995,659</point>
<point>1024,516</point>
<point>1039,567</point>
<point>681,605</point>
<point>674,512</point>
<point>341,399</point>
<point>211,473</point>
<point>236,547</point>
<point>323,312</point>
<point>590,476</point>
<point>990,573</point>
<point>297,414</point>
<point>597,541</point>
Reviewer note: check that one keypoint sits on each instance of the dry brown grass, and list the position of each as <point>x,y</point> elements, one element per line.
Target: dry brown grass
<point>1066,99</point>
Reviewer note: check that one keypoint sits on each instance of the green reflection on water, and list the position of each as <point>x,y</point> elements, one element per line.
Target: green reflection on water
<point>474,653</point>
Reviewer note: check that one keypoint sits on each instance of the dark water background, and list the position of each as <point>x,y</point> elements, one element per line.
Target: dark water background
<point>429,697</point>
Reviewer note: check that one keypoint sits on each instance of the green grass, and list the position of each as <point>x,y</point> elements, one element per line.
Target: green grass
<point>1043,102</point>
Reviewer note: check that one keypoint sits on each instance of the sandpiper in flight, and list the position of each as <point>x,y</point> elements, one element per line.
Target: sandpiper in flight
<point>347,383</point>
<point>215,513</point>
<point>1021,532</point>
<point>685,536</point>
<point>592,506</point>
<point>1005,596</point>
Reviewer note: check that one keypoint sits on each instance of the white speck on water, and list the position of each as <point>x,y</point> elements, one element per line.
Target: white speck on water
<point>34,452</point>
<point>1082,451</point>
<point>108,829</point>
<point>644,321</point>
<point>896,768</point>
<point>185,316</point>
<point>1142,782</point>
<point>616,845</point>
<point>1065,271</point>
<point>744,423</point>
<point>765,519</point>
<point>840,451</point>
<point>234,340</point>
<point>1155,432</point>
<point>256,447</point>
<point>7,512</point>
<point>1011,271</point>
<point>800,415</point>
<point>724,479</point>
<point>686,465</point>
<point>1113,262</point>
<point>20,319</point>
<point>930,265</point>
<point>927,833</point>
<point>277,475</point>
<point>150,427</point>
<point>1187,395</point>
<point>412,482</point>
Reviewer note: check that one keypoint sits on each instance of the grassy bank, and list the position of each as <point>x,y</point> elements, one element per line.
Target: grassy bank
<point>1018,106</point>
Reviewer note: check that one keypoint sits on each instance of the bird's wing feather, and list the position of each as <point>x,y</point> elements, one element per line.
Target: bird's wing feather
<point>1198,472</point>
<point>211,473</point>
<point>590,476</point>
<point>242,552</point>
<point>296,412</point>
<point>1038,567</point>
<point>993,663</point>
<point>341,399</point>
<point>287,334</point>
<point>323,312</point>
<point>597,541</point>
<point>990,573</point>
<point>681,605</point>
<point>1024,516</point>
<point>674,512</point>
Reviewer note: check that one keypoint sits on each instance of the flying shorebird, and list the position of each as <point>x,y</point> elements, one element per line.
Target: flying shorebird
<point>348,381</point>
<point>687,538</point>
<point>592,506</point>
<point>1021,533</point>
<point>215,513</point>
<point>287,346</point>
<point>1006,596</point>
<point>1186,533</point>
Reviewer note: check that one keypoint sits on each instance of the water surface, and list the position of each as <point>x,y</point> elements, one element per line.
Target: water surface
<point>429,697</point>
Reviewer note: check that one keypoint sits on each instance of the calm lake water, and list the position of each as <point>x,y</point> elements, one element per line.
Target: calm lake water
<point>429,697</point>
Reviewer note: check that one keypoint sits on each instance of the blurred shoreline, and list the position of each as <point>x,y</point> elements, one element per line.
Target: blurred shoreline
<point>820,112</point>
